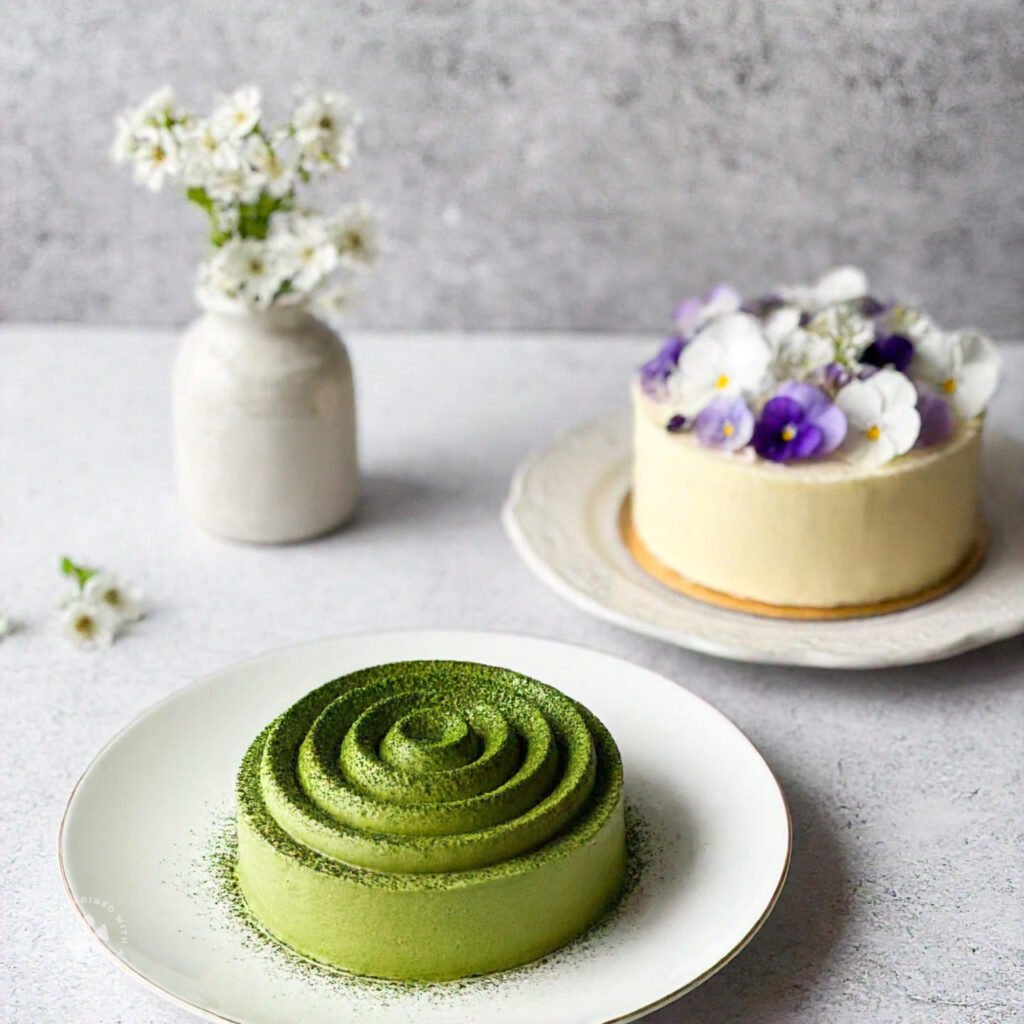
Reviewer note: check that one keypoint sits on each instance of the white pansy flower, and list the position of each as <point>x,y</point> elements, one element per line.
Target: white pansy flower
<point>276,176</point>
<point>729,357</point>
<point>881,416</point>
<point>842,284</point>
<point>325,129</point>
<point>155,157</point>
<point>118,595</point>
<point>355,233</point>
<point>964,366</point>
<point>88,624</point>
<point>235,116</point>
<point>246,268</point>
<point>305,253</point>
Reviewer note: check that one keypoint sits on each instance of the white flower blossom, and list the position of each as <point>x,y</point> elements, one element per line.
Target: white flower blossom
<point>795,352</point>
<point>276,177</point>
<point>729,357</point>
<point>246,269</point>
<point>236,115</point>
<point>155,157</point>
<point>158,109</point>
<point>847,331</point>
<point>229,184</point>
<point>964,366</point>
<point>88,624</point>
<point>305,253</point>
<point>118,595</point>
<point>244,175</point>
<point>325,129</point>
<point>204,150</point>
<point>881,416</point>
<point>355,233</point>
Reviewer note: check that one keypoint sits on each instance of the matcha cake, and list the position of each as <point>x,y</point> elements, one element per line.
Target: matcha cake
<point>430,820</point>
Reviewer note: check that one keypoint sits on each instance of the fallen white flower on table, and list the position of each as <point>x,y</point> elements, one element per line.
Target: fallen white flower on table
<point>95,605</point>
<point>881,416</point>
<point>117,594</point>
<point>88,624</point>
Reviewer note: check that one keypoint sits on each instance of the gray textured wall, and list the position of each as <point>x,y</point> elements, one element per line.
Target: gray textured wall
<point>559,164</point>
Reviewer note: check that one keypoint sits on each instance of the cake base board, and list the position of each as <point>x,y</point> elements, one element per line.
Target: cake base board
<point>673,580</point>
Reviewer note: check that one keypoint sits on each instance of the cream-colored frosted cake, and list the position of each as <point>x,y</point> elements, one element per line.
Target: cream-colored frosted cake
<point>812,449</point>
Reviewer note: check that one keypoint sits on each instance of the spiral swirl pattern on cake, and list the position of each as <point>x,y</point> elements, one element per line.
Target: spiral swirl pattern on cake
<point>431,819</point>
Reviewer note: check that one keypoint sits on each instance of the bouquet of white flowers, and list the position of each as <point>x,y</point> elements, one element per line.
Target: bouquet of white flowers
<point>266,249</point>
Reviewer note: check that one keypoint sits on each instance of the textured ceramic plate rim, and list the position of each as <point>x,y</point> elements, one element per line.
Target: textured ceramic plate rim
<point>782,650</point>
<point>211,678</point>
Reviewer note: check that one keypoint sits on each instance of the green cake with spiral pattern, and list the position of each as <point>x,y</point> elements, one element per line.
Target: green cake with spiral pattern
<point>431,820</point>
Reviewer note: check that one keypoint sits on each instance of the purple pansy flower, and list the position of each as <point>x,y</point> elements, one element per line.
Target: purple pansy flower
<point>937,419</point>
<point>798,423</point>
<point>656,371</point>
<point>896,351</point>
<point>725,423</point>
<point>836,376</point>
<point>692,314</point>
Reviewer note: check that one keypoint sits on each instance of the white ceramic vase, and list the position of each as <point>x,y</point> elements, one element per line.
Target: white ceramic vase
<point>265,425</point>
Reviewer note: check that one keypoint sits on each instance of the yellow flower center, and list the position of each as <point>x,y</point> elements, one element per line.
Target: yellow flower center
<point>873,433</point>
<point>722,382</point>
<point>949,386</point>
<point>84,625</point>
<point>728,429</point>
<point>788,433</point>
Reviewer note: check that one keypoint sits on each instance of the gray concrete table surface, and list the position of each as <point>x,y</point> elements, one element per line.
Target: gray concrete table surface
<point>904,902</point>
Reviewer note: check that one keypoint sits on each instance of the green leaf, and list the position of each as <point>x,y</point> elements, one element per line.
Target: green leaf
<point>80,573</point>
<point>198,195</point>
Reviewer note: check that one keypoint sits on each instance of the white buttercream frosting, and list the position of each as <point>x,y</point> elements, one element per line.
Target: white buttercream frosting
<point>819,533</point>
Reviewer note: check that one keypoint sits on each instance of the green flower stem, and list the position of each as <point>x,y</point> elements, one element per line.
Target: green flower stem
<point>79,573</point>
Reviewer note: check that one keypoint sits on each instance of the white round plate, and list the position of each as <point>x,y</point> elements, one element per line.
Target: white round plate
<point>562,515</point>
<point>131,847</point>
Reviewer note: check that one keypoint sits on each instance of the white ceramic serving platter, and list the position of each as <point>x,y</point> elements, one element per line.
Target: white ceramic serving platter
<point>562,515</point>
<point>132,843</point>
